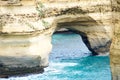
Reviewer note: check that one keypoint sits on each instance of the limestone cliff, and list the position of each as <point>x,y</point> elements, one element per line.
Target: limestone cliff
<point>115,47</point>
<point>26,28</point>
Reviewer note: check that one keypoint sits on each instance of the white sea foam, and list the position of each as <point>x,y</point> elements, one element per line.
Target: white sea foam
<point>63,64</point>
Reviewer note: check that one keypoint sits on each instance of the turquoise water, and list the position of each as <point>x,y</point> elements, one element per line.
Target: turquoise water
<point>71,60</point>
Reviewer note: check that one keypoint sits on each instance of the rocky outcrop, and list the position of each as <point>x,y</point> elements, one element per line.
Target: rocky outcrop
<point>26,29</point>
<point>23,53</point>
<point>24,43</point>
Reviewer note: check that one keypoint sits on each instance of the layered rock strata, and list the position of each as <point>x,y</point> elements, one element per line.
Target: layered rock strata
<point>26,28</point>
<point>24,43</point>
<point>91,19</point>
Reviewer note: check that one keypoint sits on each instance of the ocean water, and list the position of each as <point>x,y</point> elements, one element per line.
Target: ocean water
<point>70,59</point>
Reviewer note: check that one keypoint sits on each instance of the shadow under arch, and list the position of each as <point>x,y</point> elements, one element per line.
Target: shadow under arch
<point>83,36</point>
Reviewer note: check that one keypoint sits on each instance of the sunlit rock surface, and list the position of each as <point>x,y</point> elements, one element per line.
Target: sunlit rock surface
<point>91,19</point>
<point>115,48</point>
<point>25,34</point>
<point>22,54</point>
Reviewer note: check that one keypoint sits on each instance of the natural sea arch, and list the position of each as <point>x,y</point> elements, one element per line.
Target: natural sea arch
<point>97,21</point>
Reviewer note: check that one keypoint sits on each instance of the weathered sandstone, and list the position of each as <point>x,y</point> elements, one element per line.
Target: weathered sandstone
<point>26,28</point>
<point>115,47</point>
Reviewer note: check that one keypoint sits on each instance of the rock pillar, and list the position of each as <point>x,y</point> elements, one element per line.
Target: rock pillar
<point>115,47</point>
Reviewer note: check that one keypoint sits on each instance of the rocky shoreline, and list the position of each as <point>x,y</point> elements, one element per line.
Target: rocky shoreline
<point>97,21</point>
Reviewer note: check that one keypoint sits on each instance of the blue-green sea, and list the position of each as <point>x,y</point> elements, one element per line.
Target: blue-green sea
<point>70,59</point>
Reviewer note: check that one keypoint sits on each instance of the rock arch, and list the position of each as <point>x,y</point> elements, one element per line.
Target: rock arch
<point>23,30</point>
<point>97,40</point>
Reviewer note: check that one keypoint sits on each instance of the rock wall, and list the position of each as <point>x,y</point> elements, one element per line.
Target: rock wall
<point>115,47</point>
<point>26,28</point>
<point>24,43</point>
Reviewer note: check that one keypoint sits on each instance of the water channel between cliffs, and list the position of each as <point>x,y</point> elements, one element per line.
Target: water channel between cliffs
<point>71,60</point>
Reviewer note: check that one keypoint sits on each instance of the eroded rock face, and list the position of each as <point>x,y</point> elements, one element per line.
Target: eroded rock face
<point>115,47</point>
<point>91,21</point>
<point>25,43</point>
<point>26,33</point>
<point>22,54</point>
